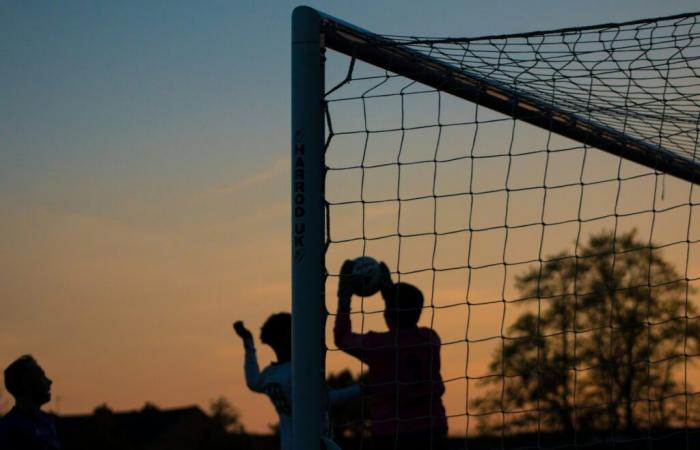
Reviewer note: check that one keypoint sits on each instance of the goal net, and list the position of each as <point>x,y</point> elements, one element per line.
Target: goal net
<point>539,189</point>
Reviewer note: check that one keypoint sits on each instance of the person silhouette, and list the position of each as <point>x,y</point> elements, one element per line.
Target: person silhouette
<point>26,427</point>
<point>275,380</point>
<point>403,381</point>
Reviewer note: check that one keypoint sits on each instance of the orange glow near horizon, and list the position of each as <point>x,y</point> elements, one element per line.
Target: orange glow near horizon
<point>137,307</point>
<point>122,315</point>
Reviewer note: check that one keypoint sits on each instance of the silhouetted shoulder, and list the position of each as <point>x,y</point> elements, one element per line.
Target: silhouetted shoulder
<point>20,432</point>
<point>430,335</point>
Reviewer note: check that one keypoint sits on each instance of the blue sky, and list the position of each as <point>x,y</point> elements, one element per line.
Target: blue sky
<point>111,87</point>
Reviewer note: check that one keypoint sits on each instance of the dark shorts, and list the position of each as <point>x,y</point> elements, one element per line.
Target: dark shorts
<point>427,440</point>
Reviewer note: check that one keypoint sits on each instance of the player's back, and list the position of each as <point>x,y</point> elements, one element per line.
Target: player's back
<point>404,380</point>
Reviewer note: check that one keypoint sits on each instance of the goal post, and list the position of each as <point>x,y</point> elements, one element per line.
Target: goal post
<point>308,230</point>
<point>554,168</point>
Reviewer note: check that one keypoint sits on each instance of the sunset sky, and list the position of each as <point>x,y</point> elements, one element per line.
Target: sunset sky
<point>144,187</point>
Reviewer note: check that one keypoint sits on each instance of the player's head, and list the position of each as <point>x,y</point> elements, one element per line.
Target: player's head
<point>27,382</point>
<point>404,304</point>
<point>277,331</point>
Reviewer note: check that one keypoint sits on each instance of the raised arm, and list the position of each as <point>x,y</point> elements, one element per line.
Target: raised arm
<point>344,338</point>
<point>253,378</point>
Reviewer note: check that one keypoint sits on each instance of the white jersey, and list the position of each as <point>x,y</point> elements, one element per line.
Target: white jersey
<point>275,381</point>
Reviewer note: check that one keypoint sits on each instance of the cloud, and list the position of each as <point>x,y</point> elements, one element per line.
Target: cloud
<point>277,168</point>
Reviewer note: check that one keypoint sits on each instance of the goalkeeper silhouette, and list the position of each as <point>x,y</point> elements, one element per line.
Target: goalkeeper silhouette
<point>403,382</point>
<point>275,380</point>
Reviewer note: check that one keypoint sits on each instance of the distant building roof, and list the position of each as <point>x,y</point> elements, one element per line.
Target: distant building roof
<point>188,427</point>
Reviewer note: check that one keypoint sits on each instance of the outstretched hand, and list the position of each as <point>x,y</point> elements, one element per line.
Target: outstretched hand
<point>242,331</point>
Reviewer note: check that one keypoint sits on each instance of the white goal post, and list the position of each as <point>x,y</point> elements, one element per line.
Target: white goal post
<point>308,277</point>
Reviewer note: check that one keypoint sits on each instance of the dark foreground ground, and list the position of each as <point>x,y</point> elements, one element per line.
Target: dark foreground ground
<point>192,429</point>
<point>658,439</point>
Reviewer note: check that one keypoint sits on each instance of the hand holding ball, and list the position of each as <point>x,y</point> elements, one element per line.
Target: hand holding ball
<point>363,276</point>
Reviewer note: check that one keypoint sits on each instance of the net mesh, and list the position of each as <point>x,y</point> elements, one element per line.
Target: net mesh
<point>561,280</point>
<point>649,70</point>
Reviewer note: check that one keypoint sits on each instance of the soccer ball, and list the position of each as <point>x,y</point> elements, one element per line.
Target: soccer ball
<point>366,275</point>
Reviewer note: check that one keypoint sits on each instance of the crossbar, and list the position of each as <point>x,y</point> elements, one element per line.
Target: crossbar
<point>397,58</point>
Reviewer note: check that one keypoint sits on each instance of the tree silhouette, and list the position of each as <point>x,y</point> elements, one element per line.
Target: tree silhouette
<point>226,415</point>
<point>103,430</point>
<point>149,407</point>
<point>599,346</point>
<point>102,410</point>
<point>350,420</point>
